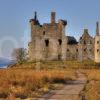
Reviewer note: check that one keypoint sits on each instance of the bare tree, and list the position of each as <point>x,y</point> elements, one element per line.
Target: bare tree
<point>19,54</point>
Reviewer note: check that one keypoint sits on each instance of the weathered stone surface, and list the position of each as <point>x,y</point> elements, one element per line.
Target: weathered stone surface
<point>97,44</point>
<point>49,42</point>
<point>86,46</point>
<point>97,48</point>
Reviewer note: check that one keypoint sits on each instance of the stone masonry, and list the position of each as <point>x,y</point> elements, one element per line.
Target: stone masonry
<point>49,42</point>
<point>97,44</point>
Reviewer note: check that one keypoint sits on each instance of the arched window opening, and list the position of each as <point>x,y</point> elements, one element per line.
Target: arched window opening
<point>76,50</point>
<point>47,42</point>
<point>67,50</point>
<point>97,50</point>
<point>60,41</point>
<point>59,57</point>
<point>43,32</point>
<point>85,50</point>
<point>84,42</point>
<point>97,42</point>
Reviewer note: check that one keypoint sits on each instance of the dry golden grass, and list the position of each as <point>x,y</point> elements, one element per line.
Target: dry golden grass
<point>92,90</point>
<point>23,81</point>
<point>57,65</point>
<point>30,83</point>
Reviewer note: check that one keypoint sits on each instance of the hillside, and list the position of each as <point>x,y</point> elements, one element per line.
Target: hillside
<point>56,65</point>
<point>31,79</point>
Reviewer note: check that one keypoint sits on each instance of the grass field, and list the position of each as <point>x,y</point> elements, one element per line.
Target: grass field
<point>58,65</point>
<point>34,79</point>
<point>92,90</point>
<point>29,83</point>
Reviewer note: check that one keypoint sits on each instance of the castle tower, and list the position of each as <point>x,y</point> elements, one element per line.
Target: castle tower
<point>97,44</point>
<point>97,28</point>
<point>48,41</point>
<point>53,17</point>
<point>62,25</point>
<point>35,44</point>
<point>86,46</point>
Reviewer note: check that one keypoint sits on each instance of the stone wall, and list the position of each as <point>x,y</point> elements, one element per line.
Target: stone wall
<point>97,48</point>
<point>48,42</point>
<point>72,52</point>
<point>86,46</point>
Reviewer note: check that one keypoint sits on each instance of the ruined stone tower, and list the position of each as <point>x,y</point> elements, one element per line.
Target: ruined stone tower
<point>48,41</point>
<point>97,44</point>
<point>86,46</point>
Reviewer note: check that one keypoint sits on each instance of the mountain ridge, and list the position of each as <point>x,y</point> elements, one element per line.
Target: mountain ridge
<point>4,62</point>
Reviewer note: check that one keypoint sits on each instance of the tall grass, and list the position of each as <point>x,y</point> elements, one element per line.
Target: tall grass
<point>28,82</point>
<point>92,90</point>
<point>59,65</point>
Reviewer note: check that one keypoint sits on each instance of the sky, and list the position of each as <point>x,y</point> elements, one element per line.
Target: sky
<point>15,15</point>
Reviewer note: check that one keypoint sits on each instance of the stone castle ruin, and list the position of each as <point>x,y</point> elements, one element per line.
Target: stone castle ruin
<point>49,42</point>
<point>97,45</point>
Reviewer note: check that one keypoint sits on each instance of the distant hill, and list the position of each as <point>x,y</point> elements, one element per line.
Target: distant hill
<point>4,62</point>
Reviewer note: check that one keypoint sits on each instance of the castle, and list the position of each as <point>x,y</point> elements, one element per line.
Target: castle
<point>97,45</point>
<point>49,42</point>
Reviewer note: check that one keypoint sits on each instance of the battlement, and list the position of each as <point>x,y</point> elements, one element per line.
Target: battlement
<point>52,29</point>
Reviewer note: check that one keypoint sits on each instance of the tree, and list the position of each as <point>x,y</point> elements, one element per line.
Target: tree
<point>19,54</point>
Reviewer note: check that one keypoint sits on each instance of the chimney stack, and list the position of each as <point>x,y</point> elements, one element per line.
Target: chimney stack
<point>35,16</point>
<point>53,15</point>
<point>86,31</point>
<point>97,28</point>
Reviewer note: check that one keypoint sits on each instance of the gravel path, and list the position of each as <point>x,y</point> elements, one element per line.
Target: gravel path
<point>71,91</point>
